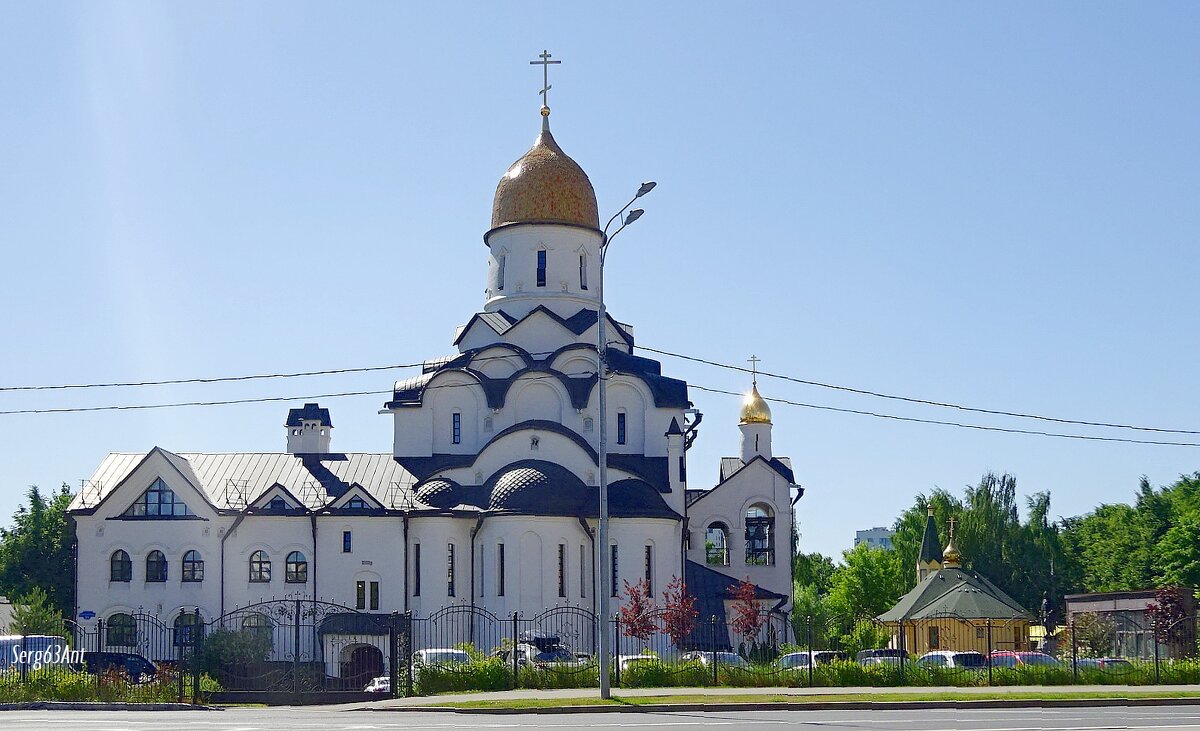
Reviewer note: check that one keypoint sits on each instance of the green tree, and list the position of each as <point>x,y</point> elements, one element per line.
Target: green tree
<point>36,552</point>
<point>868,582</point>
<point>34,615</point>
<point>813,569</point>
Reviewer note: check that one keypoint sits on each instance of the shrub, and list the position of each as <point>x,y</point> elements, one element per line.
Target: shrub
<point>487,674</point>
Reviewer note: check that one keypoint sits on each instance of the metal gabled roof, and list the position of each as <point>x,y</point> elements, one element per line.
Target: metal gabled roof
<point>955,592</point>
<point>232,481</point>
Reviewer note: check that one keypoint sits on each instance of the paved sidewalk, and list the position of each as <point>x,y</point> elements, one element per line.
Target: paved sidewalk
<point>718,692</point>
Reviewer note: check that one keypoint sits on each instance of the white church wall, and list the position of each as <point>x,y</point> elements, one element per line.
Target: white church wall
<point>498,363</point>
<point>455,393</point>
<point>376,547</point>
<point>537,396</point>
<point>412,432</point>
<point>277,536</point>
<point>435,535</point>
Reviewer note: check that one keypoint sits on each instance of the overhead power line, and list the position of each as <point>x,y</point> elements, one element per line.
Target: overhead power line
<point>924,402</point>
<point>537,376</point>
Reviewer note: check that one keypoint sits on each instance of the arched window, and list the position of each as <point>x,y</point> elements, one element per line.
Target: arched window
<point>716,544</point>
<point>193,566</point>
<point>185,629</point>
<point>296,568</point>
<point>156,567</point>
<point>260,567</point>
<point>120,568</point>
<point>760,535</point>
<point>621,429</point>
<point>258,624</point>
<point>121,631</point>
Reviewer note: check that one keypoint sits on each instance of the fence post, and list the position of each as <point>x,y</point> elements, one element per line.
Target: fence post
<point>393,654</point>
<point>180,643</point>
<point>408,654</point>
<point>903,652</point>
<point>296,650</point>
<point>1074,653</point>
<point>809,634</point>
<point>989,653</point>
<point>516,668</point>
<point>197,640</point>
<point>1154,639</point>
<point>712,657</point>
<point>616,622</point>
<point>99,649</point>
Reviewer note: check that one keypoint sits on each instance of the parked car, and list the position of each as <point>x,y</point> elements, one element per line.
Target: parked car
<point>1009,659</point>
<point>706,659</point>
<point>382,684</point>
<point>138,668</point>
<point>543,650</point>
<point>800,660</point>
<point>953,659</point>
<point>880,656</point>
<point>441,656</point>
<point>627,661</point>
<point>1105,663</point>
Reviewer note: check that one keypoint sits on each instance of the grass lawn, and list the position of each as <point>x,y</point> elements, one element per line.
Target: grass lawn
<point>800,701</point>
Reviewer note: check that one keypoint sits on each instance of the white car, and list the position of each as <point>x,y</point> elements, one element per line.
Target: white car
<point>382,684</point>
<point>441,656</point>
<point>627,661</point>
<point>953,659</point>
<point>731,659</point>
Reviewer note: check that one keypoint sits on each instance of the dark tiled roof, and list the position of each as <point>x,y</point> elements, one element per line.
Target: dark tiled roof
<point>308,413</point>
<point>711,589</point>
<point>354,623</point>
<point>439,493</point>
<point>422,467</point>
<point>536,487</point>
<point>651,469</point>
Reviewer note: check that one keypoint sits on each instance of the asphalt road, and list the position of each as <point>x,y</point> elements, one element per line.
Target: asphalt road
<point>303,719</point>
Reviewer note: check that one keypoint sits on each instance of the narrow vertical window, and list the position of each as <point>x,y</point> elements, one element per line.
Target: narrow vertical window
<point>346,541</point>
<point>620,427</point>
<point>583,272</point>
<point>613,570</point>
<point>456,425</point>
<point>482,575</point>
<point>683,469</point>
<point>500,569</point>
<point>541,268</point>
<point>416,569</point>
<point>360,595</point>
<point>582,573</point>
<point>500,273</point>
<point>374,595</point>
<point>450,569</point>
<point>650,567</point>
<point>562,569</point>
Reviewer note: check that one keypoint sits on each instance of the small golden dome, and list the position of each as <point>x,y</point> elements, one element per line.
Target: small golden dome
<point>951,558</point>
<point>755,409</point>
<point>545,186</point>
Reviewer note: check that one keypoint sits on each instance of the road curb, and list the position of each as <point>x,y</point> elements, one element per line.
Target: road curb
<point>81,706</point>
<point>800,705</point>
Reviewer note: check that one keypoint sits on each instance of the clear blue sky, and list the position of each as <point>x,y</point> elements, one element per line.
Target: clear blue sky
<point>990,205</point>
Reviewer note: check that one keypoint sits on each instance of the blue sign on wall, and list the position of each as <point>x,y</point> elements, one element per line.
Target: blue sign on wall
<point>87,614</point>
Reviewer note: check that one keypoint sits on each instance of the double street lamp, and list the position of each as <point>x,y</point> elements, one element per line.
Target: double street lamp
<point>603,578</point>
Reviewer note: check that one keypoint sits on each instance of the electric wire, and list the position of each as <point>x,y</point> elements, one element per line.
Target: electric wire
<point>923,402</point>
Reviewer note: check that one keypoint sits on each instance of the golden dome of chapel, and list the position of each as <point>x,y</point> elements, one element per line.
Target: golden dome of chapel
<point>545,186</point>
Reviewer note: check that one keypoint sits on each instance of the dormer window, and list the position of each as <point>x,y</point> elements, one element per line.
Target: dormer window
<point>355,503</point>
<point>277,503</point>
<point>541,268</point>
<point>158,501</point>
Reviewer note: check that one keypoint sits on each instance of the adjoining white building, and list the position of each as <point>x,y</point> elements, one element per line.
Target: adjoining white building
<point>489,497</point>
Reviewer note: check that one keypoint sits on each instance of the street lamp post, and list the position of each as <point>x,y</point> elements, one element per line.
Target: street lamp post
<point>603,579</point>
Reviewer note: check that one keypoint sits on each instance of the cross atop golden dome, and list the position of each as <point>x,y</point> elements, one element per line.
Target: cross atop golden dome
<point>951,558</point>
<point>545,185</point>
<point>754,407</point>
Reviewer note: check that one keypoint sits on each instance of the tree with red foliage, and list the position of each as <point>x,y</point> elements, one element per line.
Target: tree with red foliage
<point>1168,614</point>
<point>747,615</point>
<point>637,612</point>
<point>679,612</point>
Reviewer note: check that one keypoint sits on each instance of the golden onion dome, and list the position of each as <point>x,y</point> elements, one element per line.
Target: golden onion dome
<point>755,409</point>
<point>545,186</point>
<point>951,558</point>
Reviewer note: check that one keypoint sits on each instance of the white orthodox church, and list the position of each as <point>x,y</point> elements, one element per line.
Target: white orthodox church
<point>490,495</point>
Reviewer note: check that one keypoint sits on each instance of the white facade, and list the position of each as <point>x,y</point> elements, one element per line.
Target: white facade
<point>489,496</point>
